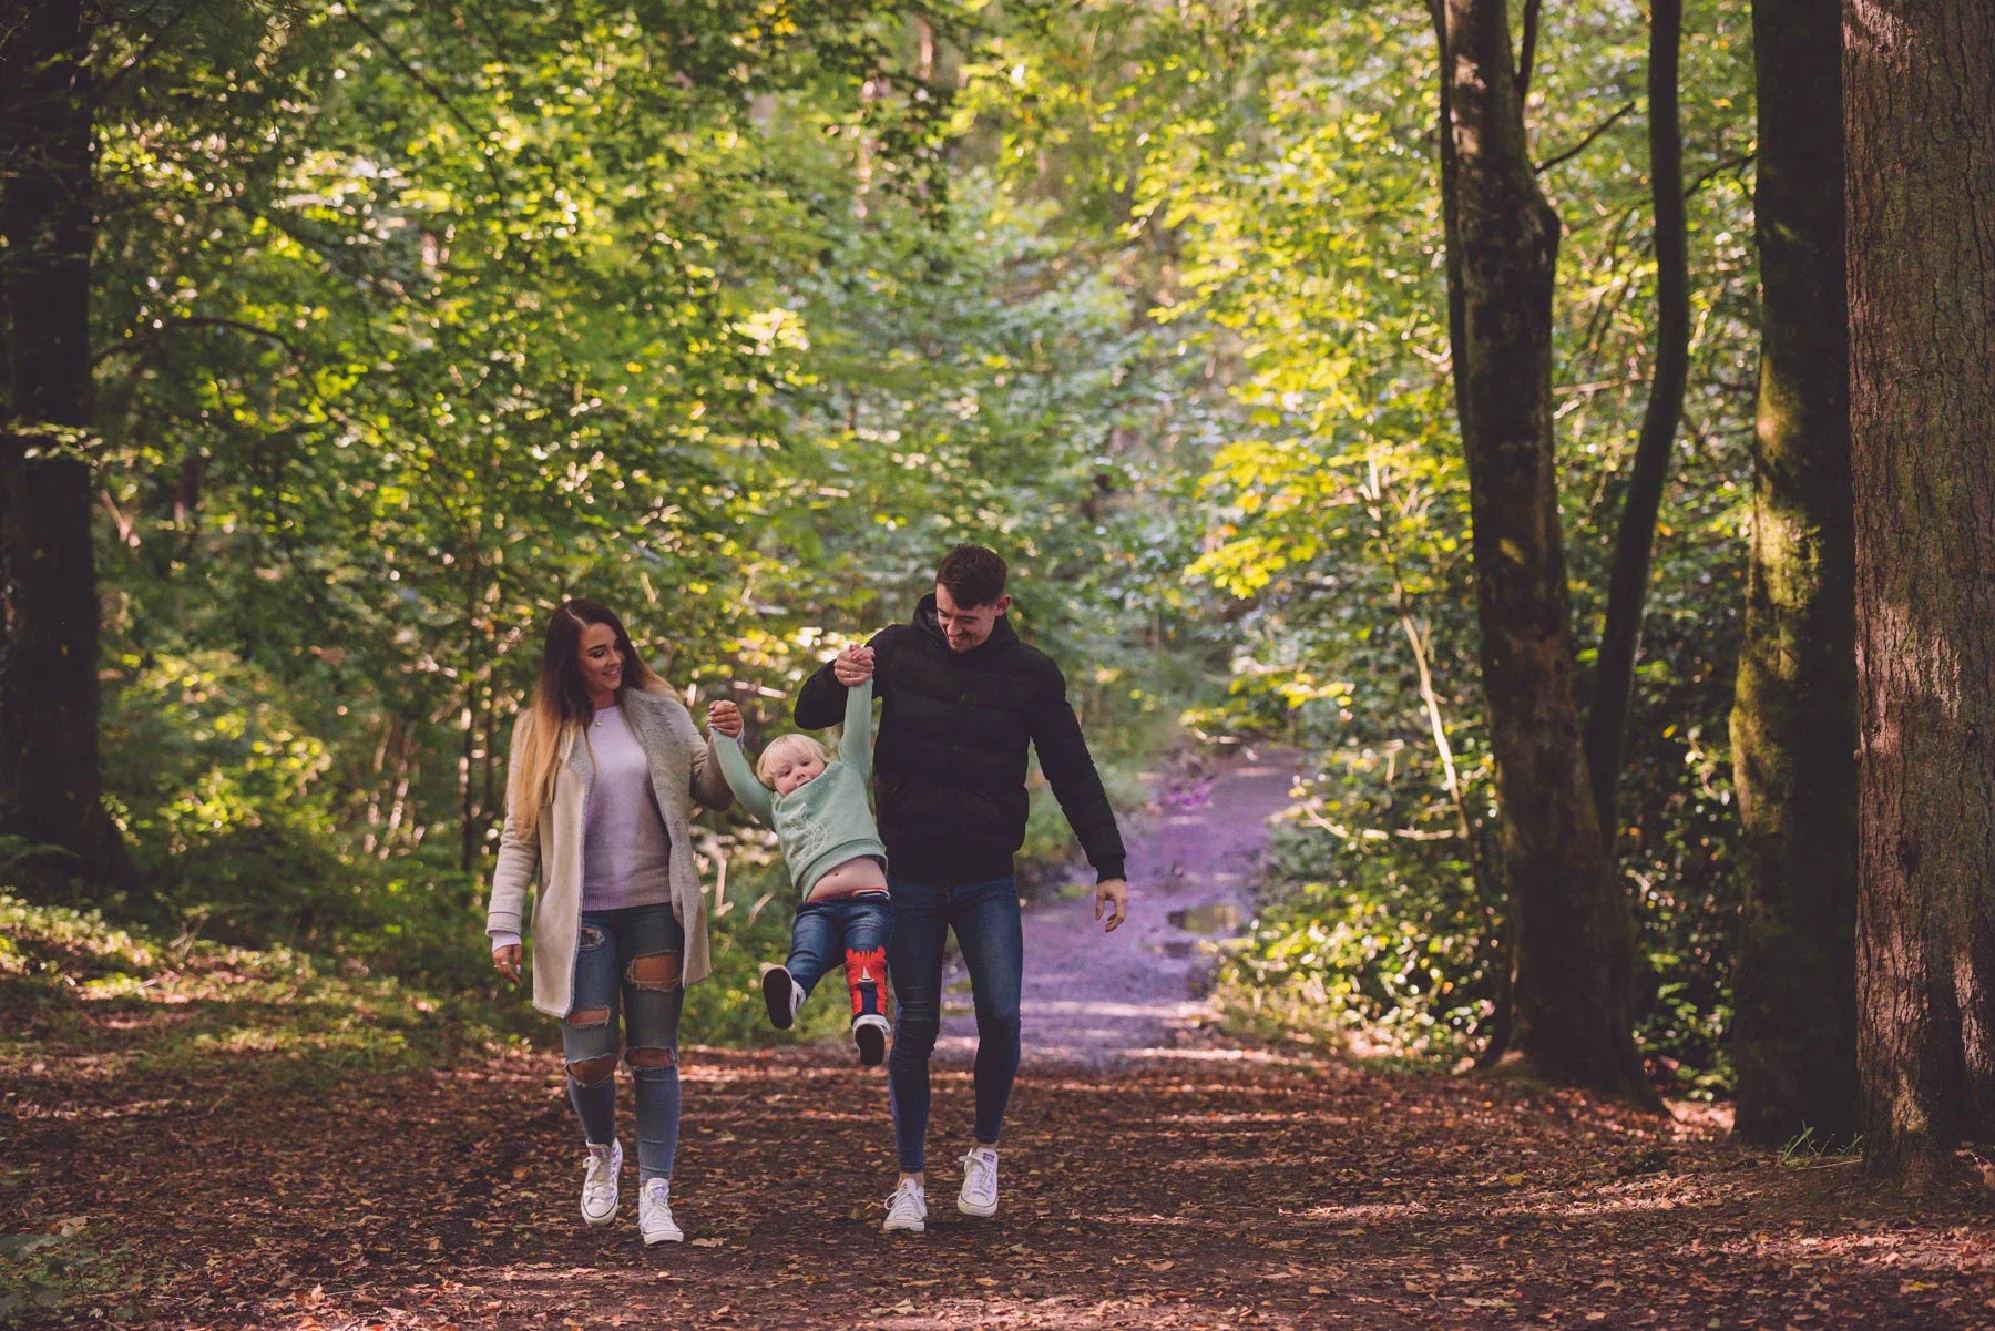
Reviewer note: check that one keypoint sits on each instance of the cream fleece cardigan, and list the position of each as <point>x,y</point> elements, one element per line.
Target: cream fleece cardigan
<point>683,769</point>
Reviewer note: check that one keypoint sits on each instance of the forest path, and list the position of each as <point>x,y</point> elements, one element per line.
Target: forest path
<point>1092,997</point>
<point>1227,1189</point>
<point>1150,1179</point>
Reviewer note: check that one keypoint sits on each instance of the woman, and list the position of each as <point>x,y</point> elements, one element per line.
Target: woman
<point>605,767</point>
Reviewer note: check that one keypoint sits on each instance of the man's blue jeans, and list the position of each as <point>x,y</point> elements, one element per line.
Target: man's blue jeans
<point>992,936</point>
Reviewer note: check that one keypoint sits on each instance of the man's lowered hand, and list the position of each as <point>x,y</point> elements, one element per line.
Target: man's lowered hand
<point>1111,895</point>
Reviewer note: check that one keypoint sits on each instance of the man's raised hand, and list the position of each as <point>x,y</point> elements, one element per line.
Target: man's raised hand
<point>724,718</point>
<point>1112,895</point>
<point>853,666</point>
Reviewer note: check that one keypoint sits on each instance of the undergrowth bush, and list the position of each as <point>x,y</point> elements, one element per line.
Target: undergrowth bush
<point>152,1004</point>
<point>1388,943</point>
<point>1366,944</point>
<point>219,789</point>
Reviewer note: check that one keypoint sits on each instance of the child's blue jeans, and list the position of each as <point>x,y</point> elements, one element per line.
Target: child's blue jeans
<point>852,932</point>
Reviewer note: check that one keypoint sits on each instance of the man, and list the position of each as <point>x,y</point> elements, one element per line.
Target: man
<point>962,698</point>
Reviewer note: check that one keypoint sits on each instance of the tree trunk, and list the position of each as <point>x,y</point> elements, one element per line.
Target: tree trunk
<point>1571,1016</point>
<point>1628,584</point>
<point>49,785</point>
<point>1794,725</point>
<point>467,781</point>
<point>1919,117</point>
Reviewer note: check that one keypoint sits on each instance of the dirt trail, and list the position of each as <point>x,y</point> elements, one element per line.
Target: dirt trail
<point>1148,1180</point>
<point>1233,1189</point>
<point>1093,998</point>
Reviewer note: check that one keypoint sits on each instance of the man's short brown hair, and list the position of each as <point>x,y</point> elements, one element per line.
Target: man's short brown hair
<point>973,574</point>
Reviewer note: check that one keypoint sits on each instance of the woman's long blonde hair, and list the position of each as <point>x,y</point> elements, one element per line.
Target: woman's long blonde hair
<point>561,707</point>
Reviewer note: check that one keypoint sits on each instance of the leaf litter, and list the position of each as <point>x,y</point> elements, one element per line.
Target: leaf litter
<point>1228,1188</point>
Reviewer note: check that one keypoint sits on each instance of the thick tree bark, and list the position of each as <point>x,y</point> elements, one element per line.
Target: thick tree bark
<point>1572,940</point>
<point>1794,724</point>
<point>49,785</point>
<point>1919,116</point>
<point>1628,583</point>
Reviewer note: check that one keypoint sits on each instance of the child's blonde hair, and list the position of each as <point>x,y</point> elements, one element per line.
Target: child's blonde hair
<point>782,747</point>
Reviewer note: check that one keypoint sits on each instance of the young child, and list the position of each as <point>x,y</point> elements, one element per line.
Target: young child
<point>817,804</point>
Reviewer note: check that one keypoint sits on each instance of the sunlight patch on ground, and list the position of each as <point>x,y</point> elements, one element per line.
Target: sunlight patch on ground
<point>1614,1206</point>
<point>1350,1215</point>
<point>1260,1057</point>
<point>1916,1248</point>
<point>1698,1117</point>
<point>1262,1116</point>
<point>1101,1008</point>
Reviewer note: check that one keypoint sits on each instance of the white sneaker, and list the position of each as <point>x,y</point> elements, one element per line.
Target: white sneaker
<point>979,1194</point>
<point>782,996</point>
<point>654,1214</point>
<point>869,1032</point>
<point>907,1209</point>
<point>599,1184</point>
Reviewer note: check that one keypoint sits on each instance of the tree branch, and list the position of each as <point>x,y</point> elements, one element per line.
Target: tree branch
<point>422,81</point>
<point>1729,164</point>
<point>1530,49</point>
<point>1585,143</point>
<point>160,34</point>
<point>145,335</point>
<point>1634,544</point>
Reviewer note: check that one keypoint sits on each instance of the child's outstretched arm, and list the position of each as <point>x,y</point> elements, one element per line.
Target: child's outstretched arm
<point>855,741</point>
<point>724,728</point>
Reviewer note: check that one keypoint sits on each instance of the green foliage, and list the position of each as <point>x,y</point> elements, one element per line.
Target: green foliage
<point>737,315</point>
<point>222,795</point>
<point>414,324</point>
<point>1805,1151</point>
<point>44,1272</point>
<point>154,1007</point>
<point>1370,948</point>
<point>1283,158</point>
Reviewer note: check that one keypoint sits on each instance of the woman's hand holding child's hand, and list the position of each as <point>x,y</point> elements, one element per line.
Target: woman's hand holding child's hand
<point>724,718</point>
<point>853,666</point>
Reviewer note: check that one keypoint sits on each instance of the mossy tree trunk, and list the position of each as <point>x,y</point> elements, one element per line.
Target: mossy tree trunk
<point>1794,723</point>
<point>1919,117</point>
<point>1571,1012</point>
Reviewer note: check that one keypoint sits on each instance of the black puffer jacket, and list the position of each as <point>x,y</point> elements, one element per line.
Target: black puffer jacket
<point>949,764</point>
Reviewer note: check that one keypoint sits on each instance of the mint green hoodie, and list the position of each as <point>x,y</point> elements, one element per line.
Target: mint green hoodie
<point>826,821</point>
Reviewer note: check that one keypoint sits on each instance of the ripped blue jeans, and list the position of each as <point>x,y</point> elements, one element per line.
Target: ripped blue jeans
<point>627,972</point>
